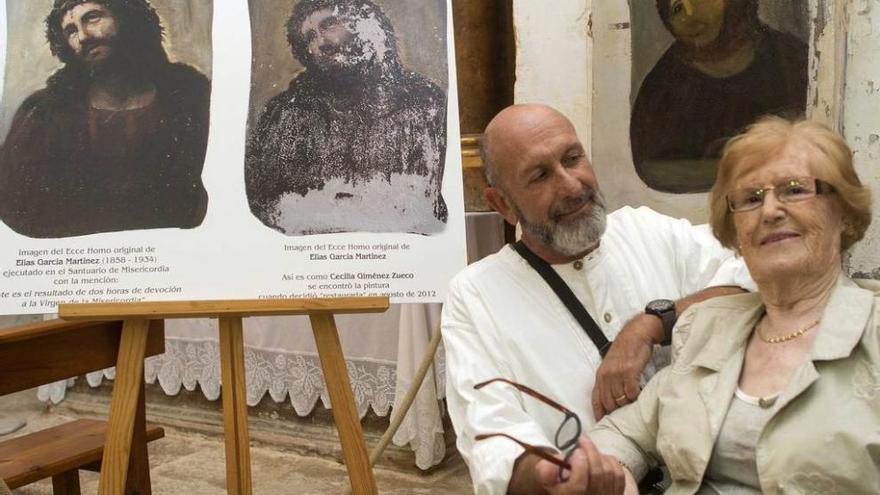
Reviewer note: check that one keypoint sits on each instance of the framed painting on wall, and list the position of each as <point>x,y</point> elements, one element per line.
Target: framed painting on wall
<point>699,72</point>
<point>727,65</point>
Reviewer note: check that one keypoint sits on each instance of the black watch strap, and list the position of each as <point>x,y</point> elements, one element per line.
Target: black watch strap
<point>668,324</point>
<point>665,310</point>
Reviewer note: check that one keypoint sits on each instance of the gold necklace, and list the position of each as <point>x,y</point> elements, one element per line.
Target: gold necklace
<point>785,338</point>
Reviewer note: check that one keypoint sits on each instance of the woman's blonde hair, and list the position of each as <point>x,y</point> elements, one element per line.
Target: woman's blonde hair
<point>830,160</point>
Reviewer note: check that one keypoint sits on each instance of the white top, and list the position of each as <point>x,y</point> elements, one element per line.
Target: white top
<point>502,320</point>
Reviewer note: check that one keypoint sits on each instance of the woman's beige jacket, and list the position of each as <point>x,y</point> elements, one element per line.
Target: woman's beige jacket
<point>824,437</point>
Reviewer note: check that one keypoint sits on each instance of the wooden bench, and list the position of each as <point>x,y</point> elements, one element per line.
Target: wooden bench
<point>45,352</point>
<point>58,453</point>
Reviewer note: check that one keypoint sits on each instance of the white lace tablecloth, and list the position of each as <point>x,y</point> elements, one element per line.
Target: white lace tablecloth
<point>382,351</point>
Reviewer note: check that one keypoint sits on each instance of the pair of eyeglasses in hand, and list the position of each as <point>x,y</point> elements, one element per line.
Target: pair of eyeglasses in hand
<point>566,435</point>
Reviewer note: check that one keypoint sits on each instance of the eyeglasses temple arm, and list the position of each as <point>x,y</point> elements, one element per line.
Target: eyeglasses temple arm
<point>534,393</point>
<point>531,449</point>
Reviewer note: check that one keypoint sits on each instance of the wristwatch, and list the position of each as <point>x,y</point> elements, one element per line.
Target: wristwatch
<point>665,310</point>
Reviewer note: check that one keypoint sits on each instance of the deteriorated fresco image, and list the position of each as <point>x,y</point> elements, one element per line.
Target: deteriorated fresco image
<point>357,141</point>
<point>115,138</point>
<point>725,68</point>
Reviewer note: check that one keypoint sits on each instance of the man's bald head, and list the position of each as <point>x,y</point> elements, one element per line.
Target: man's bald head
<point>541,178</point>
<point>508,130</point>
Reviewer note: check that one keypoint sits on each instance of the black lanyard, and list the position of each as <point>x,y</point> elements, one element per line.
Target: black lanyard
<point>566,296</point>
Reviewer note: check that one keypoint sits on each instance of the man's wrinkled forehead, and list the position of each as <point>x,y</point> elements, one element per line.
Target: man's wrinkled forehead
<point>525,134</point>
<point>532,125</point>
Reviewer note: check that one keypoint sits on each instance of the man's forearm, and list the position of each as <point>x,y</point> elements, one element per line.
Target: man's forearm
<point>654,330</point>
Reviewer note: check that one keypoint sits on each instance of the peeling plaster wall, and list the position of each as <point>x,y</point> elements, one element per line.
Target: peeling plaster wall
<point>553,57</point>
<point>861,118</point>
<point>578,59</point>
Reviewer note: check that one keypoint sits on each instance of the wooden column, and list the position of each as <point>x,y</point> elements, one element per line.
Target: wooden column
<point>485,59</point>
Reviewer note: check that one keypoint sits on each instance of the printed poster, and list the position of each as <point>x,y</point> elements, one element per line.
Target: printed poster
<point>166,150</point>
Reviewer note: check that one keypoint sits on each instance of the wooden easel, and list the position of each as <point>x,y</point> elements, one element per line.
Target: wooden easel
<point>130,376</point>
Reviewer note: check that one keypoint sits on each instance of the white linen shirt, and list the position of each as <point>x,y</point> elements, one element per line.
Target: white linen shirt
<point>501,319</point>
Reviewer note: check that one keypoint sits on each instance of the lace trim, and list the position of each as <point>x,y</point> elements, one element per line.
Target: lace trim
<point>299,377</point>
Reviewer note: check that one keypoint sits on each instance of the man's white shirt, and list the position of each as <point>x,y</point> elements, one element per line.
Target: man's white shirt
<point>501,319</point>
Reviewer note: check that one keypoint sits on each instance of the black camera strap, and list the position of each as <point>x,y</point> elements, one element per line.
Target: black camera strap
<point>566,296</point>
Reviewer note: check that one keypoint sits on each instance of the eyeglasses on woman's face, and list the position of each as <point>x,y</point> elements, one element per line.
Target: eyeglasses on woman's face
<point>566,435</point>
<point>787,190</point>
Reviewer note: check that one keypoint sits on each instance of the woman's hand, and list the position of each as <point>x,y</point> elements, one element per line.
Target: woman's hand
<point>591,473</point>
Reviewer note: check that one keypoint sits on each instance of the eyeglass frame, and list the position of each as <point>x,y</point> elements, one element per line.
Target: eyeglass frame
<point>819,187</point>
<point>565,447</point>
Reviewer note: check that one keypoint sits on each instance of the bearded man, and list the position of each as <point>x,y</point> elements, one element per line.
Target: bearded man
<point>503,320</point>
<point>357,142</point>
<point>725,69</point>
<point>117,138</point>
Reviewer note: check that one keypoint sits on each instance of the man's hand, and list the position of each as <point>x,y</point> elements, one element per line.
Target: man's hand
<point>617,380</point>
<point>591,473</point>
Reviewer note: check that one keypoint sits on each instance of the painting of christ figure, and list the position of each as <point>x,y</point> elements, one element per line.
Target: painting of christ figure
<point>357,140</point>
<point>725,68</point>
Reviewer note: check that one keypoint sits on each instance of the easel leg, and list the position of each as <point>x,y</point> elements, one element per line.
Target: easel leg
<point>354,451</point>
<point>238,457</point>
<point>123,407</point>
<point>138,482</point>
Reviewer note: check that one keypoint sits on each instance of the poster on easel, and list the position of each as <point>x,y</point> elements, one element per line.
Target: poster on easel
<point>165,150</point>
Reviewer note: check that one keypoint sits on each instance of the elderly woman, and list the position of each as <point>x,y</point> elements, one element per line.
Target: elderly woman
<point>776,391</point>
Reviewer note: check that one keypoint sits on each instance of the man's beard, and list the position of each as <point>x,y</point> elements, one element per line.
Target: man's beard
<point>575,236</point>
<point>121,60</point>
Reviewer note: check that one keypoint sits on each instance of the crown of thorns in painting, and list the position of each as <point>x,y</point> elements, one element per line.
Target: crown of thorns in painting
<point>138,19</point>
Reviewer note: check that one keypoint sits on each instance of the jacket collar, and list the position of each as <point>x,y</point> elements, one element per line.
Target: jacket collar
<point>732,329</point>
<point>840,330</point>
<point>843,322</point>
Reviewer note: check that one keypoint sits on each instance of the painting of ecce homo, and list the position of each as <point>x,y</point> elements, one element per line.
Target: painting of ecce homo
<point>348,113</point>
<point>105,116</point>
<point>703,70</point>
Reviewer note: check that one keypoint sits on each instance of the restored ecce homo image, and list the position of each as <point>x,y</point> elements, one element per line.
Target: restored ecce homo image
<point>725,69</point>
<point>116,139</point>
<point>357,142</point>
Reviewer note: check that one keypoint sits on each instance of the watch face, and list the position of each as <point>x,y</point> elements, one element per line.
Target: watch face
<point>660,306</point>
